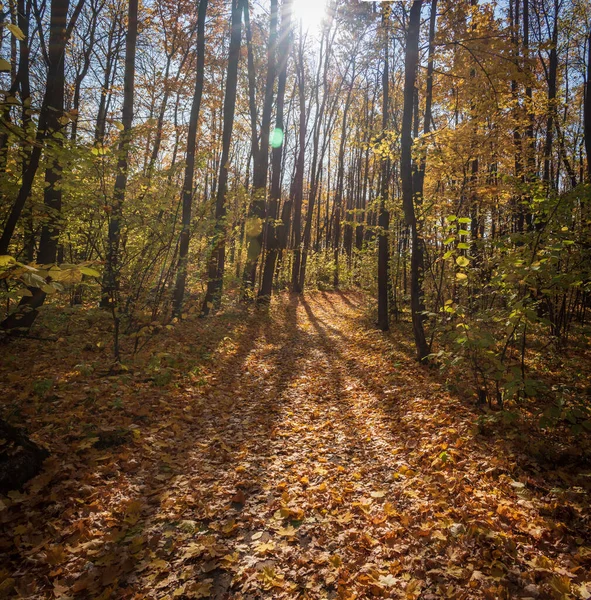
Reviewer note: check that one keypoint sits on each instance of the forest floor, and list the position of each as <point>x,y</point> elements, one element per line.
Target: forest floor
<point>295,452</point>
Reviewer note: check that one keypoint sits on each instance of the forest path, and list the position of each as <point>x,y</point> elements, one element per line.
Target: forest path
<point>294,452</point>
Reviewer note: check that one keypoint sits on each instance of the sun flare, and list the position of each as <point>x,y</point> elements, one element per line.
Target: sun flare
<point>310,13</point>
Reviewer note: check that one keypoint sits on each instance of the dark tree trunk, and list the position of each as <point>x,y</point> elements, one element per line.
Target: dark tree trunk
<point>260,152</point>
<point>187,193</point>
<point>111,277</point>
<point>299,176</point>
<point>551,75</point>
<point>416,266</point>
<point>51,111</point>
<point>213,295</point>
<point>316,164</point>
<point>588,109</point>
<point>114,42</point>
<point>338,198</point>
<point>86,58</point>
<point>49,129</point>
<point>264,294</point>
<point>383,216</point>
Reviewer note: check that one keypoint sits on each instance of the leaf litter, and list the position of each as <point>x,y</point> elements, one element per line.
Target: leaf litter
<point>290,453</point>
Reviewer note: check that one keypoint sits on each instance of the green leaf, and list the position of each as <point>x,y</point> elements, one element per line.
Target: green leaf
<point>465,220</point>
<point>464,246</point>
<point>450,239</point>
<point>90,272</point>
<point>23,292</point>
<point>461,276</point>
<point>462,261</point>
<point>451,218</point>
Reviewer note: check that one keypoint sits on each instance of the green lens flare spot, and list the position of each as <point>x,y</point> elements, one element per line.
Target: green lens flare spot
<point>276,137</point>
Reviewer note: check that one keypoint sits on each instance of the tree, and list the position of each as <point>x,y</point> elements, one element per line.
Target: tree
<point>272,248</point>
<point>187,192</point>
<point>49,132</point>
<point>112,275</point>
<point>383,217</point>
<point>216,263</point>
<point>260,152</point>
<point>408,198</point>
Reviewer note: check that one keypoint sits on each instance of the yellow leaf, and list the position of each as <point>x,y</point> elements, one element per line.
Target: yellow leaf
<point>199,590</point>
<point>16,31</point>
<point>336,561</point>
<point>6,260</point>
<point>288,531</point>
<point>265,547</point>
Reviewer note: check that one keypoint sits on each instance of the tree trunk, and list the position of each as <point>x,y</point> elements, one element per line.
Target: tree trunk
<point>51,111</point>
<point>49,125</point>
<point>383,216</point>
<point>187,193</point>
<point>213,295</point>
<point>338,198</point>
<point>316,165</point>
<point>260,152</point>
<point>588,109</point>
<point>551,80</point>
<point>111,279</point>
<point>416,275</point>
<point>299,176</point>
<point>264,294</point>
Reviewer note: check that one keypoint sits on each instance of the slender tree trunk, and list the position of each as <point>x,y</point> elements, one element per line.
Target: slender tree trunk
<point>410,73</point>
<point>51,111</point>
<point>338,198</point>
<point>264,294</point>
<point>187,192</point>
<point>383,216</point>
<point>260,152</point>
<point>213,295</point>
<point>111,279</point>
<point>83,72</point>
<point>299,176</point>
<point>49,125</point>
<point>588,109</point>
<point>316,165</point>
<point>114,41</point>
<point>551,79</point>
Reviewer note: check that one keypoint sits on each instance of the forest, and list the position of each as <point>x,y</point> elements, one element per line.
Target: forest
<point>295,299</point>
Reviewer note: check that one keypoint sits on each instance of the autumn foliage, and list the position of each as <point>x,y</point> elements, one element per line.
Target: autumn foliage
<point>295,298</point>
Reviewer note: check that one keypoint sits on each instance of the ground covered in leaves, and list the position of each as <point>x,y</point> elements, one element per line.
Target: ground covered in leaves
<point>290,453</point>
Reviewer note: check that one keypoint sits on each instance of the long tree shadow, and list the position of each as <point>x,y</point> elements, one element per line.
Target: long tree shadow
<point>182,499</point>
<point>181,466</point>
<point>452,420</point>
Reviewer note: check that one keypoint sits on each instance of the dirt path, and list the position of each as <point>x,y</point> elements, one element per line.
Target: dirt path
<point>298,453</point>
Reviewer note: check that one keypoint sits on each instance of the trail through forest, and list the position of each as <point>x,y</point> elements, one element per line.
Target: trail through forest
<point>298,452</point>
